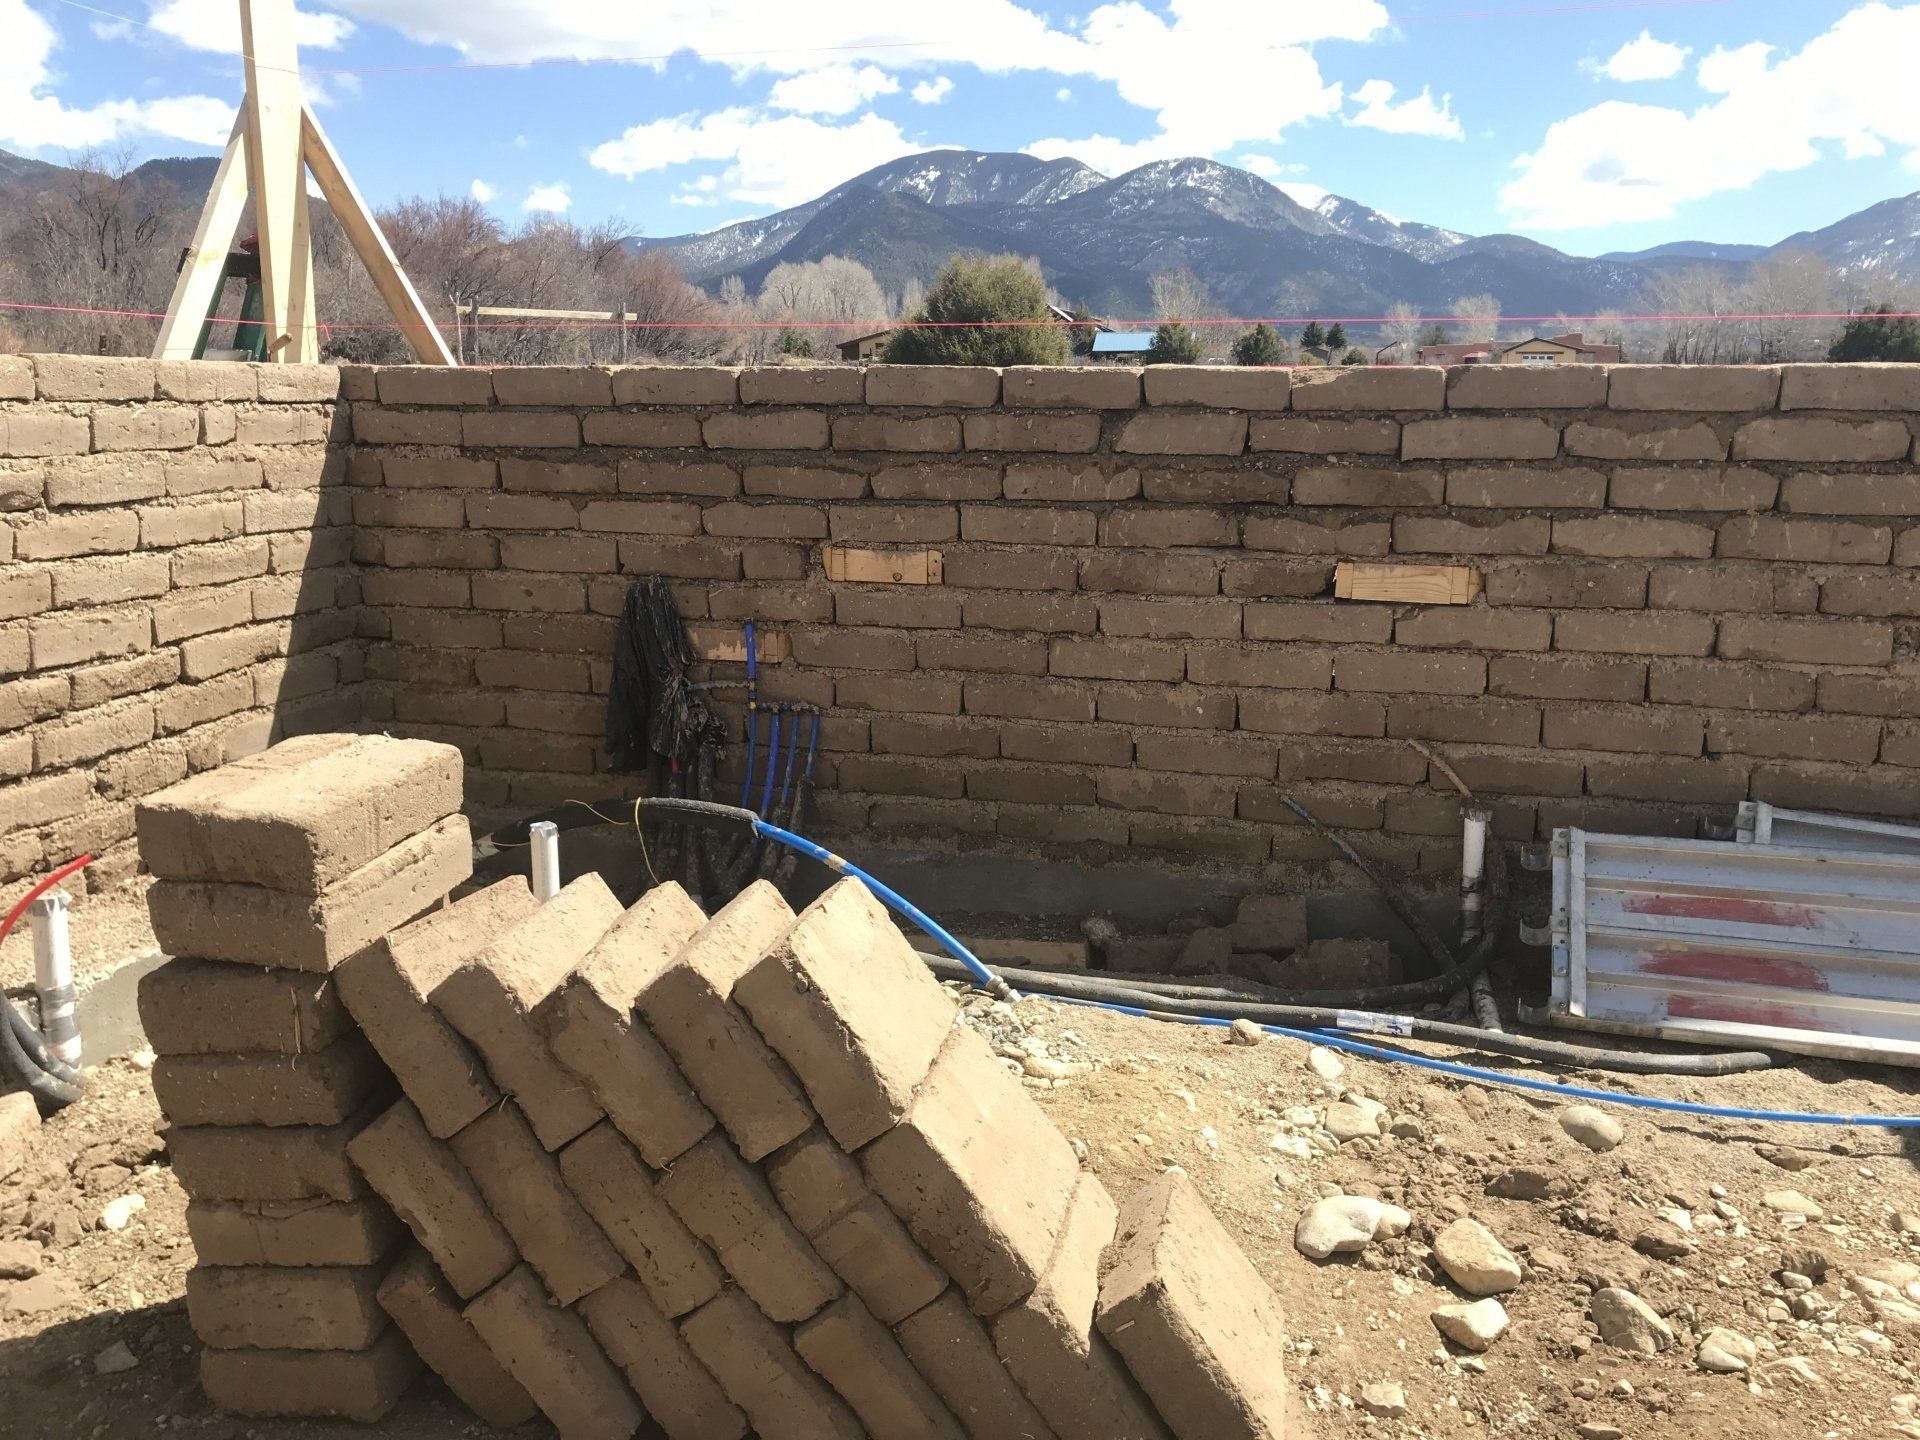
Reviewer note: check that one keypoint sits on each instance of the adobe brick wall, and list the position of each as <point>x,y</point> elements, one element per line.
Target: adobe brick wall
<point>176,585</point>
<point>1701,586</point>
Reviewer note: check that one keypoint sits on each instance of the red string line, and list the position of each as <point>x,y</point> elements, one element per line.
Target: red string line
<point>872,325</point>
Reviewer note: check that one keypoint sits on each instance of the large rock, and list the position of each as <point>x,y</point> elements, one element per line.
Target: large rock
<point>1475,1260</point>
<point>1726,1352</point>
<point>1343,1224</point>
<point>1627,1322</point>
<point>1473,1326</point>
<point>1592,1127</point>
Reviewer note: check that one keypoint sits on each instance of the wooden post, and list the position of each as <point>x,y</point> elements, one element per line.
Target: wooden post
<point>206,258</point>
<point>274,177</point>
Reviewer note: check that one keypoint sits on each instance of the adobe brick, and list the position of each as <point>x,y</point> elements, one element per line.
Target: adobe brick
<point>1113,659</point>
<point>1767,589</point>
<point>1673,780</point>
<point>1432,813</point>
<point>1154,527</point>
<point>1489,487</point>
<point>1901,745</point>
<point>1526,387</point>
<point>1772,537</point>
<point>417,1298</point>
<point>1817,438</point>
<point>1616,632</point>
<point>1070,387</point>
<point>1631,537</point>
<point>767,430</point>
<point>929,481</point>
<point>655,477</point>
<point>1518,774</point>
<point>1313,435</point>
<point>201,474</point>
<point>1355,485</point>
<point>1803,785</point>
<point>955,386</point>
<point>1172,619</point>
<point>910,694</point>
<point>439,471</point>
<point>292,1232</point>
<point>892,775</point>
<point>1189,432</point>
<point>757,1367</point>
<point>1040,785</point>
<point>26,434</point>
<point>1496,722</point>
<point>1400,387</point>
<point>260,1162</point>
<point>678,1392</point>
<point>675,385</point>
<point>24,701</point>
<point>205,656</point>
<point>894,524</point>
<point>1907,548</point>
<point>520,429</point>
<point>1645,438</point>
<point>800,385</point>
<point>248,923</point>
<point>375,426</point>
<point>313,1087</point>
<point>1162,794</point>
<point>900,434</point>
<point>1814,493</point>
<point>529,671</point>
<point>425,510</point>
<point>547,1349</point>
<point>216,564</point>
<point>271,1308</point>
<point>854,1352</point>
<point>26,592</point>
<point>1445,535</point>
<point>85,377</point>
<point>1024,610</point>
<point>1195,1322</point>
<point>1884,694</point>
<point>147,427</point>
<point>1850,387</point>
<point>1812,642</point>
<point>1844,739</point>
<point>1273,579</point>
<point>1025,526</point>
<point>683,559</point>
<point>170,525</point>
<point>387,986</point>
<point>1028,699</point>
<point>1289,668</point>
<point>1417,674</point>
<point>803,603</point>
<point>107,582</point>
<point>766,519</point>
<point>1256,388</point>
<point>592,554</point>
<point>83,480</point>
<point>433,385</point>
<point>553,385</point>
<point>1693,387</point>
<point>854,649</point>
<point>1072,483</point>
<point>198,1007</point>
<point>1150,573</point>
<point>1215,487</point>
<point>1289,713</point>
<point>953,1354</point>
<point>1245,755</point>
<point>1027,434</point>
<point>1871,594</point>
<point>1050,825</point>
<point>1048,1342</point>
<point>621,1193</point>
<point>1265,531</point>
<point>435,550</point>
<point>16,377</point>
<point>1474,628</point>
<point>181,707</point>
<point>1328,623</point>
<point>435,1196</point>
<point>88,735</point>
<point>362,1385</point>
<point>1730,687</point>
<point>99,533</point>
<point>1080,745</point>
<point>804,482</point>
<point>1662,731</point>
<point>934,735</point>
<point>1717,487</point>
<point>1475,437</point>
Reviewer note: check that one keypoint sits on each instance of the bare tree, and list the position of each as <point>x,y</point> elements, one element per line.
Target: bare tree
<point>1182,295</point>
<point>1402,330</point>
<point>1478,317</point>
<point>834,298</point>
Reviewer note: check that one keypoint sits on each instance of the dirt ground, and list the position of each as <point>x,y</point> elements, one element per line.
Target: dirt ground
<point>1246,1121</point>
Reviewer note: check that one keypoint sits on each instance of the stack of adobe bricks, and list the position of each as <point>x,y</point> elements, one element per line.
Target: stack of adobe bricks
<point>272,870</point>
<point>748,1174</point>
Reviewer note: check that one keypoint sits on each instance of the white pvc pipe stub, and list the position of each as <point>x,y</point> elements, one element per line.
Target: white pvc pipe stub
<point>543,837</point>
<point>53,977</point>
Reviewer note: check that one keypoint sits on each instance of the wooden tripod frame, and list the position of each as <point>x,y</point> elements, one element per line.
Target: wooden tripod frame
<point>276,143</point>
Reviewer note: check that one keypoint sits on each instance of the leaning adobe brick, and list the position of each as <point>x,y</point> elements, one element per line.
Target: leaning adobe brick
<point>316,1087</point>
<point>1197,1325</point>
<point>978,1173</point>
<point>1815,542</point>
<point>679,1393</point>
<point>1693,387</point>
<point>1812,642</point>
<point>491,998</point>
<point>259,1162</point>
<point>523,1187</point>
<point>387,985</point>
<point>301,815</point>
<point>199,1007</point>
<point>1183,432</point>
<point>431,1191</point>
<point>608,1178</point>
<point>1849,387</point>
<point>292,1232</point>
<point>1821,440</point>
<point>1526,387</point>
<point>361,1385</point>
<point>851,1009</point>
<point>686,1000</point>
<point>251,924</point>
<point>1616,632</point>
<point>953,1354</point>
<point>727,1204</point>
<point>263,1307</point>
<point>1048,1342</point>
<point>855,1354</point>
<point>422,1304</point>
<point>757,1367</point>
<point>589,1024</point>
<point>549,1351</point>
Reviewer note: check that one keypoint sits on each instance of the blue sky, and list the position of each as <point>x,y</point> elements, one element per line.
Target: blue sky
<point>1588,125</point>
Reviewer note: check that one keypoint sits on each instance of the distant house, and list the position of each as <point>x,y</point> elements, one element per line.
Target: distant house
<point>1572,348</point>
<point>1113,345</point>
<point>865,347</point>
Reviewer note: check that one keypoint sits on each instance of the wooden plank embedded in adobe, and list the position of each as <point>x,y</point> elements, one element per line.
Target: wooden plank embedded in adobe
<point>852,565</point>
<point>1415,584</point>
<point>729,643</point>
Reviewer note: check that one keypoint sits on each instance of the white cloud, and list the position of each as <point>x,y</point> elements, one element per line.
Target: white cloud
<point>1303,192</point>
<point>33,119</point>
<point>1645,58</point>
<point>932,92</point>
<point>1416,115</point>
<point>831,89</point>
<point>771,160</point>
<point>1619,162</point>
<point>1267,167</point>
<point>483,192</point>
<point>214,25</point>
<point>1063,94</point>
<point>552,199</point>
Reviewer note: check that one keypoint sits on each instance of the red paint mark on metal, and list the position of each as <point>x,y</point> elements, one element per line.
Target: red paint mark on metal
<point>1737,969</point>
<point>1746,1012</point>
<point>1725,907</point>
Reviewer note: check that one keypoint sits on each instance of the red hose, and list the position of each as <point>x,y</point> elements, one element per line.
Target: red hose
<point>13,915</point>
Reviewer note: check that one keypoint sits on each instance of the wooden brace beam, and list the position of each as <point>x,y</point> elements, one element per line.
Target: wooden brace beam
<point>206,258</point>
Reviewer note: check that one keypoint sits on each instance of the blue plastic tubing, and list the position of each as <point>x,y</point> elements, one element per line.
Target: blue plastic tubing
<point>987,980</point>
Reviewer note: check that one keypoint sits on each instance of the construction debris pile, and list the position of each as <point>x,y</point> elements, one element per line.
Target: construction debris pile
<point>739,1174</point>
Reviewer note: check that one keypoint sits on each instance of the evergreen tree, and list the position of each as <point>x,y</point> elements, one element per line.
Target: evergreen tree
<point>793,342</point>
<point>1080,336</point>
<point>1259,346</point>
<point>1355,356</point>
<point>980,288</point>
<point>1313,337</point>
<point>1336,336</point>
<point>1436,335</point>
<point>1870,336</point>
<point>1174,344</point>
